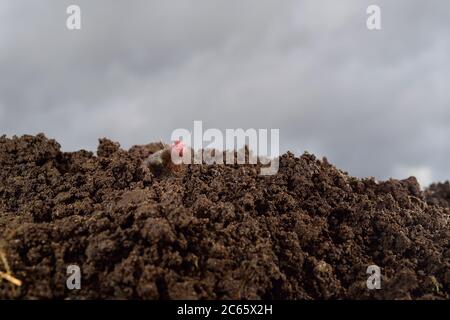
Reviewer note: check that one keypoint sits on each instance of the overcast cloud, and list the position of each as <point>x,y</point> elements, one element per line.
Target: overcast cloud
<point>376,103</point>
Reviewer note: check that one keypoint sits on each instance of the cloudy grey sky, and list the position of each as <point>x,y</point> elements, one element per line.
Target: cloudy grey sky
<point>376,103</point>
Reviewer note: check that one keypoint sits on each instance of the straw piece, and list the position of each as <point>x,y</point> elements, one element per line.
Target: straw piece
<point>5,262</point>
<point>10,278</point>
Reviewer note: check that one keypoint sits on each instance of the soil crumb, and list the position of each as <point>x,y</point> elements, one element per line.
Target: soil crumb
<point>213,231</point>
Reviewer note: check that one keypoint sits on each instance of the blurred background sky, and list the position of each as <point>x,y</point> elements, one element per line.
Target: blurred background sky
<point>376,103</point>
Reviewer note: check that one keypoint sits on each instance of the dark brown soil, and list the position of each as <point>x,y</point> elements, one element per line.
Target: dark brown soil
<point>439,194</point>
<point>213,232</point>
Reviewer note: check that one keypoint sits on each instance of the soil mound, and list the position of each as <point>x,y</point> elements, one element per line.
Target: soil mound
<point>439,194</point>
<point>213,231</point>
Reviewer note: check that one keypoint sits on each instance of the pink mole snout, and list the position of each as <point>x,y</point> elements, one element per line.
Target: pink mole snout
<point>178,146</point>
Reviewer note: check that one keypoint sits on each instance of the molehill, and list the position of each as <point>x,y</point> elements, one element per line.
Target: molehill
<point>213,231</point>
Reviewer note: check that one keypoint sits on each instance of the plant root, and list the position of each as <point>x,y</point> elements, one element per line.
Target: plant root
<point>8,274</point>
<point>10,278</point>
